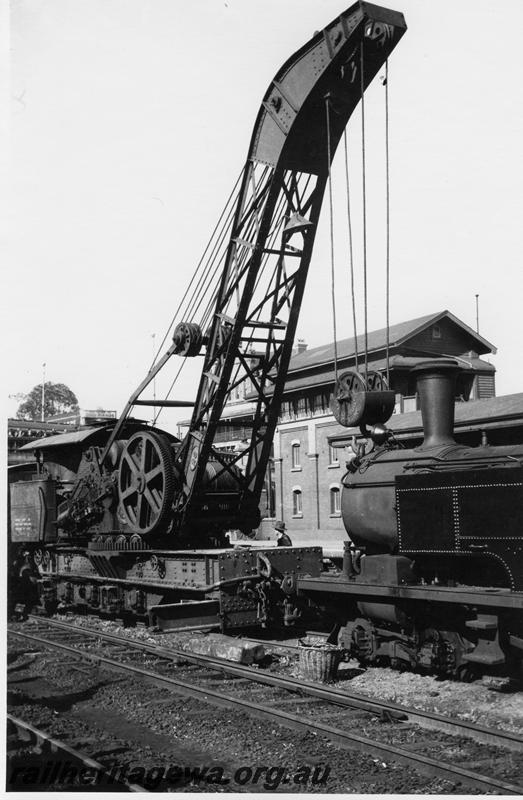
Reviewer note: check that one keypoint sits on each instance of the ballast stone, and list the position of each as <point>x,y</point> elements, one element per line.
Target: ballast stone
<point>221,646</point>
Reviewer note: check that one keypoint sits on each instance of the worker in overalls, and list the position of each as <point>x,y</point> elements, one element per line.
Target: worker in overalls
<point>27,586</point>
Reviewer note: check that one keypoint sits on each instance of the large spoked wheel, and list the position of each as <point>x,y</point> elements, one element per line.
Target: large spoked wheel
<point>360,400</point>
<point>348,398</point>
<point>146,482</point>
<point>376,382</point>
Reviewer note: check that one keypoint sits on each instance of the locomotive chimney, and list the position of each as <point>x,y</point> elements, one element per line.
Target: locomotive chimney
<point>437,388</point>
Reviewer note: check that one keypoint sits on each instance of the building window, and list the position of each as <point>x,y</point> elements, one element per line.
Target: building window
<point>311,405</point>
<point>269,490</point>
<point>297,507</point>
<point>335,501</point>
<point>436,332</point>
<point>334,460</point>
<point>295,455</point>
<point>410,404</point>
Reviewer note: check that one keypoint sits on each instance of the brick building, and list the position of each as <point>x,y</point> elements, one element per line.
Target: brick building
<point>310,446</point>
<point>303,482</point>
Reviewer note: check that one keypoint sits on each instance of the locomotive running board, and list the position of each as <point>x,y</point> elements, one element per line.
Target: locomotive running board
<point>477,595</point>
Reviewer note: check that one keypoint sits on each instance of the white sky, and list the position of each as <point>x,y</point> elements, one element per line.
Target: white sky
<point>131,119</point>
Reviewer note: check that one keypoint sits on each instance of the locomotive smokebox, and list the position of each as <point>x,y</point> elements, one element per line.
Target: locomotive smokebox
<point>436,390</point>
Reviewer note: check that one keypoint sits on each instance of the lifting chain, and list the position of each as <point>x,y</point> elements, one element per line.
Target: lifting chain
<point>262,613</point>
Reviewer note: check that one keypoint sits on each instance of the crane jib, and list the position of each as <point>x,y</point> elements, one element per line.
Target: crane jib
<point>290,128</point>
<point>267,250</point>
<point>271,242</point>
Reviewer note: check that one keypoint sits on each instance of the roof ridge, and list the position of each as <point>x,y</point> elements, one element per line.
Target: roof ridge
<point>422,319</point>
<point>397,333</point>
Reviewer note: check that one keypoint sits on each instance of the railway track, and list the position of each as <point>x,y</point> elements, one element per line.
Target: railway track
<point>60,763</point>
<point>202,678</point>
<point>430,720</point>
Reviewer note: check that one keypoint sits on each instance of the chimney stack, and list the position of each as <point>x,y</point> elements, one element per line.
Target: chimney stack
<point>437,390</point>
<point>301,346</point>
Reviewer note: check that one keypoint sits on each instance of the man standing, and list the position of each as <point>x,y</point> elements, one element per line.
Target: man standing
<point>284,540</point>
<point>27,588</point>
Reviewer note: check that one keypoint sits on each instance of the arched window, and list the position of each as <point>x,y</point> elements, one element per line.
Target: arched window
<point>335,498</point>
<point>295,455</point>
<point>297,507</point>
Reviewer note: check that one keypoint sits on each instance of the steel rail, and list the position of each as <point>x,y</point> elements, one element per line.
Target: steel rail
<point>58,746</point>
<point>345,739</point>
<point>425,719</point>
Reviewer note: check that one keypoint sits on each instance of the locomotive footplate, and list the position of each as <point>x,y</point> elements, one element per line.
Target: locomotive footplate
<point>473,595</point>
<point>232,587</point>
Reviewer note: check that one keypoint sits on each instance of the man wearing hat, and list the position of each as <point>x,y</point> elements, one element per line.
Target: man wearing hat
<point>283,539</point>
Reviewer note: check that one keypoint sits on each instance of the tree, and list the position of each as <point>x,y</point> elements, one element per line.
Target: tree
<point>58,399</point>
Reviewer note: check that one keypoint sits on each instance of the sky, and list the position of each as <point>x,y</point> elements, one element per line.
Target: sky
<point>131,119</point>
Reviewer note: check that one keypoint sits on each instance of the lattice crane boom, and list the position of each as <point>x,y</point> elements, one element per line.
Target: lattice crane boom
<point>249,340</point>
<point>280,198</point>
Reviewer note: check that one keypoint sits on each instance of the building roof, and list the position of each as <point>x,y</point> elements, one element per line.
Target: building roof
<point>377,340</point>
<point>492,412</point>
<point>328,377</point>
<point>62,439</point>
<point>97,432</point>
<point>34,425</point>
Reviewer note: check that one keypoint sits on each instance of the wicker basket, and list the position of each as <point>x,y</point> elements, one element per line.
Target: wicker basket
<point>319,662</point>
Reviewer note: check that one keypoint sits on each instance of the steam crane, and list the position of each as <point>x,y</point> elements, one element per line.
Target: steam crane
<point>109,502</point>
<point>249,338</point>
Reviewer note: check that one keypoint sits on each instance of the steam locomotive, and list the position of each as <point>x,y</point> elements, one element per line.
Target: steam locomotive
<point>433,576</point>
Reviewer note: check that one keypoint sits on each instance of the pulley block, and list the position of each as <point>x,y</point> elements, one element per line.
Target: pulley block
<point>187,339</point>
<point>361,400</point>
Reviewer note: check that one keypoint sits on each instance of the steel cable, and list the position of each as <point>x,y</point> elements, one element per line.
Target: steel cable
<point>364,209</point>
<point>198,297</point>
<point>331,219</point>
<point>387,171</point>
<point>175,316</point>
<point>351,252</point>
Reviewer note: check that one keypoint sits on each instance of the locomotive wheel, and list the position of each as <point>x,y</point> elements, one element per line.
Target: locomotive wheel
<point>376,382</point>
<point>146,482</point>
